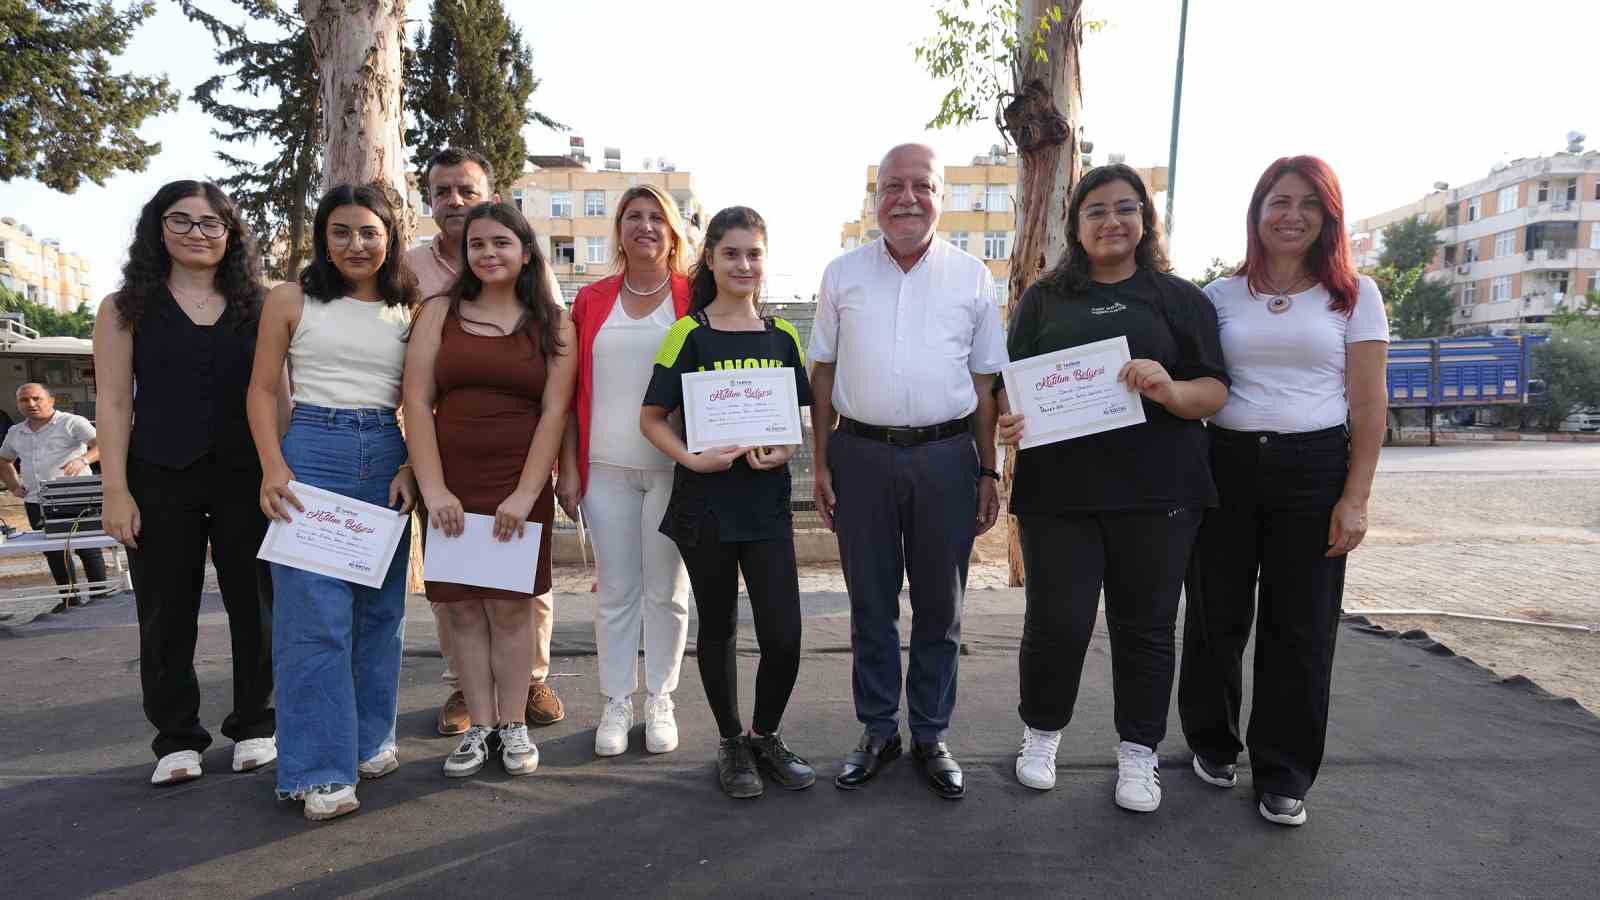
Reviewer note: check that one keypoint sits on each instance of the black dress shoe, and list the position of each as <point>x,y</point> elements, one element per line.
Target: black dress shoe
<point>1282,810</point>
<point>777,762</point>
<point>940,769</point>
<point>862,765</point>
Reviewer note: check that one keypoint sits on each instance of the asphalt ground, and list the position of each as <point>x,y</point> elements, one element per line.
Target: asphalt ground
<point>1441,778</point>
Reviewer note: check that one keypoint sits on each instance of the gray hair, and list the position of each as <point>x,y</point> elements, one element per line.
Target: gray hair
<point>933,162</point>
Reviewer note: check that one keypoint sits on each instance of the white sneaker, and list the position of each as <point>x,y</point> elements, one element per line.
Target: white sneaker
<point>1036,761</point>
<point>470,754</point>
<point>183,765</point>
<point>660,728</point>
<point>517,752</point>
<point>611,738</point>
<point>1138,777</point>
<point>381,764</point>
<point>331,802</point>
<point>254,753</point>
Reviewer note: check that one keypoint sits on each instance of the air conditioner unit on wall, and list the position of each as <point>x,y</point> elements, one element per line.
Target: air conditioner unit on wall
<point>977,206</point>
<point>1466,312</point>
<point>579,268</point>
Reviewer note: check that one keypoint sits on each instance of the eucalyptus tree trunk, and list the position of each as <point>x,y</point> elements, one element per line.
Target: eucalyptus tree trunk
<point>1042,120</point>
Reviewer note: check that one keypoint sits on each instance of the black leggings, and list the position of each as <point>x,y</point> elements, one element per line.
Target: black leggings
<point>1140,558</point>
<point>774,586</point>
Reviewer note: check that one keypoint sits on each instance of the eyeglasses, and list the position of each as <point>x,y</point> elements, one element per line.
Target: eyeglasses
<point>1128,209</point>
<point>342,237</point>
<point>178,223</point>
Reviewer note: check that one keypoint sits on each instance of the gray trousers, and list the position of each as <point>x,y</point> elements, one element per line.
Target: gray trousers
<point>904,511</point>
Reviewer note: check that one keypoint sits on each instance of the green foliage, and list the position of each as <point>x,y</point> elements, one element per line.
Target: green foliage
<point>1409,243</point>
<point>1570,365</point>
<point>467,85</point>
<point>1584,314</point>
<point>45,319</point>
<point>978,50</point>
<point>1418,308</point>
<point>275,195</point>
<point>1217,268</point>
<point>64,116</point>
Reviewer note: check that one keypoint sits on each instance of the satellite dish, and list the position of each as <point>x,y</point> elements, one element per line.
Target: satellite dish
<point>1575,141</point>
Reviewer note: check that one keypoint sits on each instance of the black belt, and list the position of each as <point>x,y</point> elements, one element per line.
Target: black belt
<point>905,436</point>
<point>1274,437</point>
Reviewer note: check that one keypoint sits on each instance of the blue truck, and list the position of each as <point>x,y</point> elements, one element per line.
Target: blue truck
<point>1441,373</point>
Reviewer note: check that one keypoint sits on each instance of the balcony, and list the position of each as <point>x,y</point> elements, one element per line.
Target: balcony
<point>1551,258</point>
<point>1554,211</point>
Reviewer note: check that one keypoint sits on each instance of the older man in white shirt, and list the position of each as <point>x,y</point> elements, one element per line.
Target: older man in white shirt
<point>906,345</point>
<point>50,445</point>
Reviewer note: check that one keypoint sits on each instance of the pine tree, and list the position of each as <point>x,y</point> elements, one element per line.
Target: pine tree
<point>275,195</point>
<point>468,82</point>
<point>64,116</point>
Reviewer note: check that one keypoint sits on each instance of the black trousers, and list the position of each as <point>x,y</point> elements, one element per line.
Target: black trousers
<point>94,559</point>
<point>771,578</point>
<point>1260,555</point>
<point>1140,557</point>
<point>181,512</point>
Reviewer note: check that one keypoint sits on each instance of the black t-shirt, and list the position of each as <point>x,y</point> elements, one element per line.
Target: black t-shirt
<point>1161,463</point>
<point>742,503</point>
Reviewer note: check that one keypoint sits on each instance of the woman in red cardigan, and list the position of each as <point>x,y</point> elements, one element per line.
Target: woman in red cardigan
<point>623,482</point>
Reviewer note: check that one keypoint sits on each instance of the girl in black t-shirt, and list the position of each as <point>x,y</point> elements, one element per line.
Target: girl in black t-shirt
<point>1117,509</point>
<point>730,505</point>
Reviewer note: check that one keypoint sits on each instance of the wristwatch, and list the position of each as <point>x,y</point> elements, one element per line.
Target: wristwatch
<point>989,472</point>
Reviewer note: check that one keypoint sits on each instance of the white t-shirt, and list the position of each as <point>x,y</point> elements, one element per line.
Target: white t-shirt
<point>906,344</point>
<point>624,358</point>
<point>348,354</point>
<point>1287,368</point>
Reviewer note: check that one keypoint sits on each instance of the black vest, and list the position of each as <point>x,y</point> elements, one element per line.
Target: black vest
<point>189,384</point>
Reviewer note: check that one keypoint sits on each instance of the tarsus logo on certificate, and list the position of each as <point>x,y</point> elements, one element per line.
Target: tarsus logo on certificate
<point>336,536</point>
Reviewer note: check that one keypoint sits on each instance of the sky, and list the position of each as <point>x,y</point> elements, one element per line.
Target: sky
<point>782,106</point>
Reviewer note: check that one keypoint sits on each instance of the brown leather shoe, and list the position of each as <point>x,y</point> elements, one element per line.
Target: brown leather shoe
<point>453,716</point>
<point>544,707</point>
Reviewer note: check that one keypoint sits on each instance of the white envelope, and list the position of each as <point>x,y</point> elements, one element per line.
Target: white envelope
<point>475,558</point>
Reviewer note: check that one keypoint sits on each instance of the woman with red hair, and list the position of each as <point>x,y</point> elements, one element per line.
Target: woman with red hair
<point>1293,453</point>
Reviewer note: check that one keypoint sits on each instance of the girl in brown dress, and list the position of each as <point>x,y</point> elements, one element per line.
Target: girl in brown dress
<point>488,380</point>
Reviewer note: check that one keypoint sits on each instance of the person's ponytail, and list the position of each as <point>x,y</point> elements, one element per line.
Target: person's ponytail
<point>702,287</point>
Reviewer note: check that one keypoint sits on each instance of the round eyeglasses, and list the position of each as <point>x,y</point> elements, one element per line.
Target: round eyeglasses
<point>178,223</point>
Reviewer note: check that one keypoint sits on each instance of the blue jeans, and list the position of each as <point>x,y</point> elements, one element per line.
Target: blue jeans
<point>336,645</point>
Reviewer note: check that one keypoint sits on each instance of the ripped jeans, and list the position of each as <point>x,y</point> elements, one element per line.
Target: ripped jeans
<point>336,645</point>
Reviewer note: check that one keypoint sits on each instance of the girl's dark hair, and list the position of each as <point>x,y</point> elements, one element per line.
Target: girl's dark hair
<point>323,280</point>
<point>541,315</point>
<point>144,276</point>
<point>1073,270</point>
<point>702,283</point>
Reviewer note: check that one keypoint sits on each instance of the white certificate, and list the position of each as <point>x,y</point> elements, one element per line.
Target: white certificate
<point>474,556</point>
<point>335,536</point>
<point>1072,392</point>
<point>740,408</point>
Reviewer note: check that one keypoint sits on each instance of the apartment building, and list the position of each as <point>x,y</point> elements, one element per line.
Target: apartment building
<point>40,270</point>
<point>571,208</point>
<point>1515,246</point>
<point>979,214</point>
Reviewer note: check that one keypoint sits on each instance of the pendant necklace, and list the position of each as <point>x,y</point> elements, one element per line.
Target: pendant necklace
<point>1280,300</point>
<point>199,305</point>
<point>650,293</point>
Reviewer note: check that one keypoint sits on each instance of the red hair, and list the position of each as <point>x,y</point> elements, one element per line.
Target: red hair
<point>1329,258</point>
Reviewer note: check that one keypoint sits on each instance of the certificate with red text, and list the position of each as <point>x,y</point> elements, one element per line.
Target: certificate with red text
<point>740,408</point>
<point>1072,392</point>
<point>335,536</point>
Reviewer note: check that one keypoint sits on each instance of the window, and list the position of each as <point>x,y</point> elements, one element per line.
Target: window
<point>1469,252</point>
<point>1474,209</point>
<point>1544,191</point>
<point>997,198</point>
<point>517,196</point>
<point>1507,200</point>
<point>1469,293</point>
<point>1452,216</point>
<point>562,252</point>
<point>2,249</point>
<point>597,250</point>
<point>959,239</point>
<point>1450,255</point>
<point>1572,191</point>
<point>1594,236</point>
<point>996,244</point>
<point>427,208</point>
<point>561,205</point>
<point>960,196</point>
<point>1559,282</point>
<point>1594,282</point>
<point>1597,190</point>
<point>594,203</point>
<point>1505,243</point>
<point>1500,289</point>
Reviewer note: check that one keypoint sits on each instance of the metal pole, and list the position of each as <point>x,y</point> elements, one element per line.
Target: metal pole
<point>1177,106</point>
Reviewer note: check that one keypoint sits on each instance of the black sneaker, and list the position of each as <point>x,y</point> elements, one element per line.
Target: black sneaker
<point>1222,775</point>
<point>779,763</point>
<point>1282,810</point>
<point>736,769</point>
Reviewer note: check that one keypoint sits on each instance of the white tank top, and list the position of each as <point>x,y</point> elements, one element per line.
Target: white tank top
<point>348,354</point>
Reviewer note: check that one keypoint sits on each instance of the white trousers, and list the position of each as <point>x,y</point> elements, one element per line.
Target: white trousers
<point>641,579</point>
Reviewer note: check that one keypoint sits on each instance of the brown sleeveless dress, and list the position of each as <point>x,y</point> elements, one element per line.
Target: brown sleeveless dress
<point>489,396</point>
